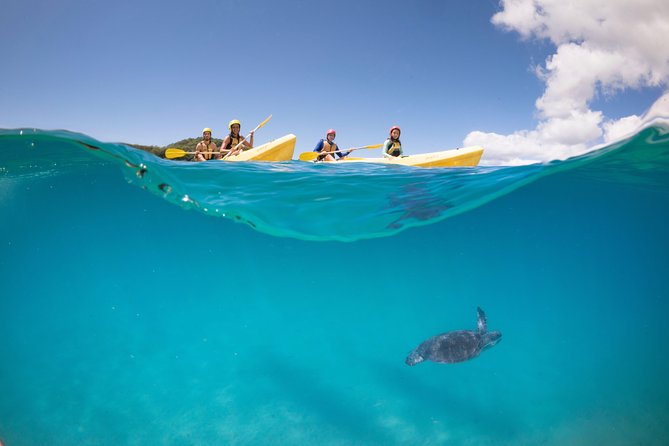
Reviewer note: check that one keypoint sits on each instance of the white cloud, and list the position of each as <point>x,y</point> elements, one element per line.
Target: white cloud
<point>658,112</point>
<point>601,48</point>
<point>615,130</point>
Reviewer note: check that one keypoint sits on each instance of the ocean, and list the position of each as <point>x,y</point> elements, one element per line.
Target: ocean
<point>148,301</point>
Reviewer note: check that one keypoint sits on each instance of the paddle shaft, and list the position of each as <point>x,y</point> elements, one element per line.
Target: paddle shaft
<point>312,156</point>
<point>206,153</point>
<point>172,153</point>
<point>374,146</point>
<point>338,151</point>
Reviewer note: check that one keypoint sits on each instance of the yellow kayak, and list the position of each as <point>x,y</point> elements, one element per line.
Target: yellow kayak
<point>278,150</point>
<point>463,157</point>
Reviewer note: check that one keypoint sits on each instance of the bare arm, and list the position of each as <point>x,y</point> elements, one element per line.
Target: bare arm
<point>249,143</point>
<point>199,156</point>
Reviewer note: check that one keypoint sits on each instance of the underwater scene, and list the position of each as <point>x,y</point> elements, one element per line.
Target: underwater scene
<point>151,301</point>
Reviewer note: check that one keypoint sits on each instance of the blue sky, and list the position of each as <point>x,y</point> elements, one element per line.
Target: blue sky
<point>154,72</point>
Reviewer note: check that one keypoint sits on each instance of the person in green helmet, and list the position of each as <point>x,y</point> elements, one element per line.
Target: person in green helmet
<point>206,149</point>
<point>234,139</point>
<point>393,146</point>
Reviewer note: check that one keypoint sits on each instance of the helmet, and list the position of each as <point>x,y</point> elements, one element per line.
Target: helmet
<point>395,128</point>
<point>234,121</point>
<point>330,131</point>
<point>206,129</point>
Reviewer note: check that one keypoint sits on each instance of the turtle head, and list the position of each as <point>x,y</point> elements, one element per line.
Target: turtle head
<point>491,338</point>
<point>414,358</point>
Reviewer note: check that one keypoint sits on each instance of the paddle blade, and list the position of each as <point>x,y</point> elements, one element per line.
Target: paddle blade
<point>264,122</point>
<point>308,156</point>
<point>174,153</point>
<point>373,146</point>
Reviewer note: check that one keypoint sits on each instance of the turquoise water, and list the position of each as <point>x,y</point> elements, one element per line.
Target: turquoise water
<point>136,309</point>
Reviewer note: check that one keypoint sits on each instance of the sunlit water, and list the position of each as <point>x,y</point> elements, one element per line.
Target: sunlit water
<point>136,309</point>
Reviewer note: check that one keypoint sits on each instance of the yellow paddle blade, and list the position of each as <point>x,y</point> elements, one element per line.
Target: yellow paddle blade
<point>264,122</point>
<point>309,156</point>
<point>174,153</point>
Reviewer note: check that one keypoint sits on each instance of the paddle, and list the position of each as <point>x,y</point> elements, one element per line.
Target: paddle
<point>311,156</point>
<point>172,153</point>
<point>253,131</point>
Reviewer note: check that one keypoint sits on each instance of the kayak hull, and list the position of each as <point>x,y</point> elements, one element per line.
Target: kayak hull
<point>462,157</point>
<point>280,149</point>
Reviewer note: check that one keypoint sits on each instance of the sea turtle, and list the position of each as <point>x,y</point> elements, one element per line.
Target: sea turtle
<point>456,346</point>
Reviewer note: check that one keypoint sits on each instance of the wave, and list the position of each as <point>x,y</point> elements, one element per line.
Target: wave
<point>326,201</point>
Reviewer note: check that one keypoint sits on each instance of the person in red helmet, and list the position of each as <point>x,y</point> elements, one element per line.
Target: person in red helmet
<point>327,146</point>
<point>393,146</point>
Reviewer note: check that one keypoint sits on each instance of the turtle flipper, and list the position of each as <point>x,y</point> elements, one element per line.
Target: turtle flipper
<point>481,323</point>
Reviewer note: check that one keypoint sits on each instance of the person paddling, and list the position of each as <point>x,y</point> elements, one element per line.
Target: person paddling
<point>205,149</point>
<point>393,146</point>
<point>327,146</point>
<point>234,138</point>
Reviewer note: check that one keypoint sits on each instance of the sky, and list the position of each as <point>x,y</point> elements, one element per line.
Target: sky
<point>530,80</point>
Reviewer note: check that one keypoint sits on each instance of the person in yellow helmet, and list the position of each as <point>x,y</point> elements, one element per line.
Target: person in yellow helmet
<point>233,140</point>
<point>206,149</point>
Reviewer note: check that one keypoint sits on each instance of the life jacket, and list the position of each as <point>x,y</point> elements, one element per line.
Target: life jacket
<point>234,141</point>
<point>207,151</point>
<point>395,149</point>
<point>327,147</point>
